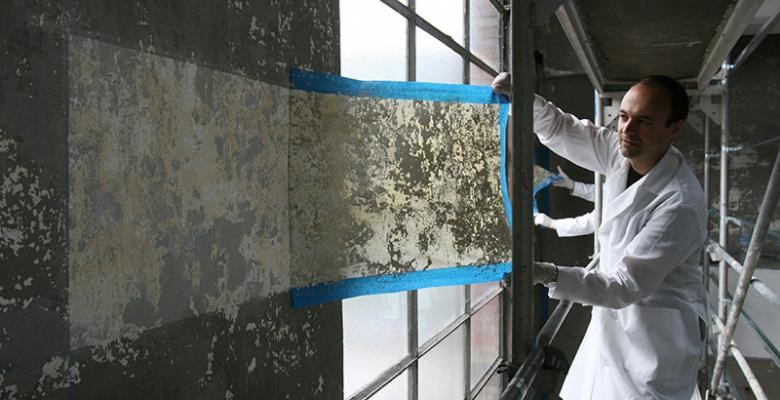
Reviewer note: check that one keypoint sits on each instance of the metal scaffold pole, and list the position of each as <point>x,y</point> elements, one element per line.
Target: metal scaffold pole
<point>598,180</point>
<point>751,259</point>
<point>724,201</point>
<point>523,85</point>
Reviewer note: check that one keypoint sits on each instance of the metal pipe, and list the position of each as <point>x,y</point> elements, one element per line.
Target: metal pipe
<point>771,349</point>
<point>755,386</point>
<point>519,386</point>
<point>751,259</point>
<point>598,180</point>
<point>705,259</point>
<point>523,87</point>
<point>524,376</point>
<point>724,201</point>
<point>550,329</point>
<point>756,283</point>
<point>757,39</point>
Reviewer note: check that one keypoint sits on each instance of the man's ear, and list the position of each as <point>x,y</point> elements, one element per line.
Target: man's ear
<point>676,128</point>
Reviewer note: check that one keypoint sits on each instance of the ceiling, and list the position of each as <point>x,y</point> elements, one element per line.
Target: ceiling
<point>620,42</point>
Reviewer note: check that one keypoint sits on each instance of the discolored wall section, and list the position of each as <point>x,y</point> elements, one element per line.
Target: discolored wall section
<point>390,186</point>
<point>178,191</point>
<point>142,198</point>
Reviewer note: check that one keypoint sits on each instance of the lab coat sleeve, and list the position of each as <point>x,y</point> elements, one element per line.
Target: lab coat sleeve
<point>579,141</point>
<point>665,242</point>
<point>585,191</point>
<point>582,225</point>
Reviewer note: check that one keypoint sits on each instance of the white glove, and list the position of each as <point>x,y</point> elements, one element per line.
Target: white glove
<point>502,84</point>
<point>545,273</point>
<point>566,182</point>
<point>542,219</point>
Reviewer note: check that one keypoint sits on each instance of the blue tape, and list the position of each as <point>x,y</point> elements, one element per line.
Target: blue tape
<point>504,122</point>
<point>352,287</point>
<point>320,82</point>
<point>503,117</point>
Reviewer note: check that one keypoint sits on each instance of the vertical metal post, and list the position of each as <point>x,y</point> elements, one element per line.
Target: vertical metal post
<point>751,259</point>
<point>705,258</point>
<point>706,188</point>
<point>598,179</point>
<point>412,318</point>
<point>523,85</point>
<point>724,204</point>
<point>411,297</point>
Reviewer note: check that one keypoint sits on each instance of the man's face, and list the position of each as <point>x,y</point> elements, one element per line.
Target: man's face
<point>644,134</point>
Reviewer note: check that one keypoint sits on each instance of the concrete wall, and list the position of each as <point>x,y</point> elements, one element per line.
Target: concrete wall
<point>144,201</point>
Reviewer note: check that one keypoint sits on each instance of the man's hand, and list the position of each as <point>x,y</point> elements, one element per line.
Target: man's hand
<point>502,84</point>
<point>545,272</point>
<point>565,181</point>
<point>542,219</point>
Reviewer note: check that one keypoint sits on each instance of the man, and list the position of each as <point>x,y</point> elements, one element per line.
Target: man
<point>576,226</point>
<point>647,325</point>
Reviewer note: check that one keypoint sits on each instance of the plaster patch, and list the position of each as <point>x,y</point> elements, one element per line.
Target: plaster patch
<point>157,215</point>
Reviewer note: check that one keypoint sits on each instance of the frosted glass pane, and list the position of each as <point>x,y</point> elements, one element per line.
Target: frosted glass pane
<point>480,290</point>
<point>484,25</point>
<point>373,41</point>
<point>438,307</point>
<point>441,373</point>
<point>492,389</point>
<point>375,337</point>
<point>479,76</point>
<point>447,15</point>
<point>437,62</point>
<point>484,339</point>
<point>397,389</point>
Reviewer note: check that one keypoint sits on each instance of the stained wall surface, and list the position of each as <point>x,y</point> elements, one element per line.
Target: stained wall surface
<point>380,186</point>
<point>144,238</point>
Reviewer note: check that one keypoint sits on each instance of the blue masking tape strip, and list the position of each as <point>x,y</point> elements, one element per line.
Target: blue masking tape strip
<point>326,83</point>
<point>503,123</point>
<point>352,287</point>
<point>321,82</point>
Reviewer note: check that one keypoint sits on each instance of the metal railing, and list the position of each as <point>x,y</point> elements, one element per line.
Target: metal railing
<point>746,280</point>
<point>520,384</point>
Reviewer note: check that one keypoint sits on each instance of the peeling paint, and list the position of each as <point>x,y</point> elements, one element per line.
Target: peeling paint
<point>387,186</point>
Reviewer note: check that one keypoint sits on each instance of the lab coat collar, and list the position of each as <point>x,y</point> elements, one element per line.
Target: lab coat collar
<point>649,185</point>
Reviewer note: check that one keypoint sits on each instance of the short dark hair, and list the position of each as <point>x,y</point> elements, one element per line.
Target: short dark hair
<point>678,98</point>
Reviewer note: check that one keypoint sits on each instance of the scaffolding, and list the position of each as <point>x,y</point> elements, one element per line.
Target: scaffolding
<point>730,312</point>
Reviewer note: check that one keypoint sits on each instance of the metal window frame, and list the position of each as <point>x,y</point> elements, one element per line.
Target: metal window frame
<point>411,360</point>
<point>410,363</point>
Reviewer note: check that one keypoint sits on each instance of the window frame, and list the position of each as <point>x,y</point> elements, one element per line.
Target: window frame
<point>416,351</point>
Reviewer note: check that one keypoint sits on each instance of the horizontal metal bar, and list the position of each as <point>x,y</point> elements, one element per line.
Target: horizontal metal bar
<point>499,7</point>
<point>383,379</point>
<point>519,386</point>
<point>756,283</point>
<point>522,380</point>
<point>739,147</point>
<point>485,300</point>
<point>574,29</point>
<point>755,386</point>
<point>550,329</point>
<point>447,40</point>
<point>765,30</point>
<point>770,347</point>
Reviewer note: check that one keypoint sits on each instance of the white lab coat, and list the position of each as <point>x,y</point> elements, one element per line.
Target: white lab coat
<point>644,338</point>
<point>576,226</point>
<point>583,224</point>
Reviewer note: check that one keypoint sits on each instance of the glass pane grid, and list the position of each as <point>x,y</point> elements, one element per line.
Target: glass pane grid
<point>377,51</point>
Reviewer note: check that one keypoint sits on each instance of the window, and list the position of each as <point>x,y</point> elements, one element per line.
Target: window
<point>403,345</point>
